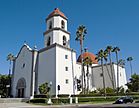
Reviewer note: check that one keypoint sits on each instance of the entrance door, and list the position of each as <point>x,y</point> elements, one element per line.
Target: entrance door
<point>21,93</point>
<point>18,93</point>
<point>21,86</point>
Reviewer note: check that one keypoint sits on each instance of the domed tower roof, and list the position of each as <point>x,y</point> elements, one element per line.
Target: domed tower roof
<point>56,12</point>
<point>88,54</point>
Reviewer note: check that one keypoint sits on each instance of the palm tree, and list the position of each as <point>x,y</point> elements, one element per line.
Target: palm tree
<point>80,34</point>
<point>121,62</point>
<point>87,62</point>
<point>116,50</point>
<point>10,58</point>
<point>109,50</point>
<point>106,64</point>
<point>129,59</point>
<point>100,57</point>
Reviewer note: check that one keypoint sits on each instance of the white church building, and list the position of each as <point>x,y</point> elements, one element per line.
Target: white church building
<point>57,64</point>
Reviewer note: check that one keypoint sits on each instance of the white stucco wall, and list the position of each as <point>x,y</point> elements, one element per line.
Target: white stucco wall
<point>98,79</point>
<point>122,76</point>
<point>56,22</point>
<point>24,57</point>
<point>78,75</point>
<point>50,34</point>
<point>61,73</point>
<point>47,68</point>
<point>57,37</point>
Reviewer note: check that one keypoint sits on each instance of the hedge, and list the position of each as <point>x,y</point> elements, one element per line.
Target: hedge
<point>38,100</point>
<point>41,96</point>
<point>60,100</point>
<point>67,100</point>
<point>96,99</point>
<point>63,95</point>
<point>80,99</point>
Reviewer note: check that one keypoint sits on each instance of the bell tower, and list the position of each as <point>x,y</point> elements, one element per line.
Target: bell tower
<point>56,31</point>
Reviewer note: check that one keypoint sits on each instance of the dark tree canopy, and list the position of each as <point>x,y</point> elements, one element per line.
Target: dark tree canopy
<point>133,85</point>
<point>4,81</point>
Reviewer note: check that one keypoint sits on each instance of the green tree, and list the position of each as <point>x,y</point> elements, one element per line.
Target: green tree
<point>116,50</point>
<point>44,88</point>
<point>4,81</point>
<point>87,62</point>
<point>129,59</point>
<point>121,62</point>
<point>109,50</point>
<point>80,35</point>
<point>100,57</point>
<point>105,55</point>
<point>133,85</point>
<point>10,58</point>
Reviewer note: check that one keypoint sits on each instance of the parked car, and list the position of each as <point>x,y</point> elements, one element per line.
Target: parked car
<point>124,99</point>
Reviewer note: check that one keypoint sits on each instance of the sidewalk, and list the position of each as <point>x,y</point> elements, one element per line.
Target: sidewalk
<point>26,105</point>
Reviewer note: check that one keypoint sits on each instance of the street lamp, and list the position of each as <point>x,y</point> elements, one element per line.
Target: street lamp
<point>50,83</point>
<point>50,101</point>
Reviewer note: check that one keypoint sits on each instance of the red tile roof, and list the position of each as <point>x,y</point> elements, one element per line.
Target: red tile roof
<point>87,54</point>
<point>56,12</point>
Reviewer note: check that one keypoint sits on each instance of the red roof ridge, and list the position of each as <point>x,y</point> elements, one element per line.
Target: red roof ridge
<point>56,12</point>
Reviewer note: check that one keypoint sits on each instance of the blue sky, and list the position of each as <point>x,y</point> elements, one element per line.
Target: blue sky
<point>108,22</point>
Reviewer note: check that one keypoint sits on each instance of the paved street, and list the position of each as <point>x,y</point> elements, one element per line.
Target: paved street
<point>25,105</point>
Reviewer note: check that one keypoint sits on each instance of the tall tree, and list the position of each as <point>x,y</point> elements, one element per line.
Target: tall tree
<point>80,34</point>
<point>129,59</point>
<point>100,57</point>
<point>116,50</point>
<point>4,81</point>
<point>87,62</point>
<point>133,85</point>
<point>121,62</point>
<point>109,50</point>
<point>10,58</point>
<point>106,65</point>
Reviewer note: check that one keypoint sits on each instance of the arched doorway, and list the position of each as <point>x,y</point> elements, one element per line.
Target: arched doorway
<point>21,85</point>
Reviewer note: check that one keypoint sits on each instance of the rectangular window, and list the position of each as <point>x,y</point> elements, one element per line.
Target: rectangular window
<point>101,74</point>
<point>66,56</point>
<point>66,68</point>
<point>66,81</point>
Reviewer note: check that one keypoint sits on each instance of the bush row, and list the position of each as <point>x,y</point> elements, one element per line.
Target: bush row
<point>67,100</point>
<point>87,95</point>
<point>47,96</point>
<point>80,99</point>
<point>38,100</point>
<point>97,99</point>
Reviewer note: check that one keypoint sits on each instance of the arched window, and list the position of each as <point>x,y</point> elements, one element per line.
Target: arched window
<point>64,40</point>
<point>50,25</point>
<point>62,24</point>
<point>48,41</point>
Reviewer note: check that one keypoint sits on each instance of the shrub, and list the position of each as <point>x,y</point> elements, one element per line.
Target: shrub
<point>97,99</point>
<point>44,88</point>
<point>86,95</point>
<point>41,96</point>
<point>137,101</point>
<point>61,100</point>
<point>38,100</point>
<point>63,95</point>
<point>133,93</point>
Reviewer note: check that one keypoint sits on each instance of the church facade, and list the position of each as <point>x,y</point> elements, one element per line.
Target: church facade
<point>57,64</point>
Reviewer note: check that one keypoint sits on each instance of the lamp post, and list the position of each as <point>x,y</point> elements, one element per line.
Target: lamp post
<point>49,101</point>
<point>50,88</point>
